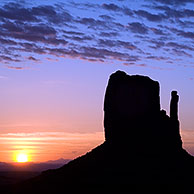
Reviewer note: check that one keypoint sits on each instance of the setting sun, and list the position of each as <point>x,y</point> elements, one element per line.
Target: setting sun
<point>22,157</point>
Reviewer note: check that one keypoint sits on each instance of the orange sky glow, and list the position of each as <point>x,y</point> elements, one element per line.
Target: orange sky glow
<point>43,146</point>
<point>46,145</point>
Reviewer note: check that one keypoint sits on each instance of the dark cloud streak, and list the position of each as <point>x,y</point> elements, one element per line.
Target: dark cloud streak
<point>172,2</point>
<point>149,16</point>
<point>137,27</point>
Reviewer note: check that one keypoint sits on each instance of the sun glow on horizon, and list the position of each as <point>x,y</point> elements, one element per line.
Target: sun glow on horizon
<point>22,157</point>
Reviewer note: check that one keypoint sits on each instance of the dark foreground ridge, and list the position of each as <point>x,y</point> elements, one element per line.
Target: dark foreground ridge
<point>142,152</point>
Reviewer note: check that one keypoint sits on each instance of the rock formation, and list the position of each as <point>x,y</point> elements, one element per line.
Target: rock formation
<point>133,119</point>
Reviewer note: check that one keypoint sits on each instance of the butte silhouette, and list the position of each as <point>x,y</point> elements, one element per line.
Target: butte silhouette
<point>142,152</point>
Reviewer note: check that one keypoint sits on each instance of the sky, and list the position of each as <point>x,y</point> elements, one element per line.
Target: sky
<point>56,58</point>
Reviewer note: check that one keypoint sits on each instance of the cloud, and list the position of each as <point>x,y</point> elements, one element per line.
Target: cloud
<point>157,31</point>
<point>189,12</point>
<point>174,13</point>
<point>157,44</point>
<point>108,34</point>
<point>106,17</point>
<point>107,54</point>
<point>93,54</point>
<point>150,16</point>
<point>94,23</point>
<point>16,68</point>
<point>179,46</point>
<point>7,58</point>
<point>7,41</point>
<point>73,33</point>
<point>50,135</point>
<point>51,14</point>
<point>84,6</point>
<point>137,27</point>
<point>181,53</point>
<point>158,58</point>
<point>111,7</point>
<point>34,33</point>
<point>78,38</point>
<point>173,2</point>
<point>180,32</point>
<point>135,64</point>
<point>187,34</point>
<point>32,58</point>
<point>15,11</point>
<point>41,29</point>
<point>117,44</point>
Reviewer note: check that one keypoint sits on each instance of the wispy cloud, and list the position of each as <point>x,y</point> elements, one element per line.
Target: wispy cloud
<point>150,16</point>
<point>172,2</point>
<point>14,67</point>
<point>137,27</point>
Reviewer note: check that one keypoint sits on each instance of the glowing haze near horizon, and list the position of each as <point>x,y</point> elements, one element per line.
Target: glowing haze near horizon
<point>56,57</point>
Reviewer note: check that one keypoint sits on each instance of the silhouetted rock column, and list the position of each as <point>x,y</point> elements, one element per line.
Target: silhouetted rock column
<point>175,126</point>
<point>133,120</point>
<point>174,105</point>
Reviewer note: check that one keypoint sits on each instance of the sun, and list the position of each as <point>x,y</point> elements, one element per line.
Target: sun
<point>22,157</point>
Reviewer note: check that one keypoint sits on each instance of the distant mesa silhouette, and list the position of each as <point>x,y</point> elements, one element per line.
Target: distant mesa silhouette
<point>142,152</point>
